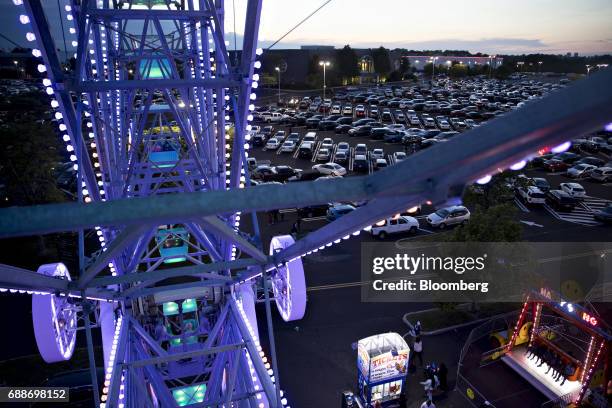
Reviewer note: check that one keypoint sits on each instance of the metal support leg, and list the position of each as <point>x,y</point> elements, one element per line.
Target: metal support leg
<point>90,353</point>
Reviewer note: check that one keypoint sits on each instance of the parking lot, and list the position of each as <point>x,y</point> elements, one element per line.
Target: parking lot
<point>384,125</point>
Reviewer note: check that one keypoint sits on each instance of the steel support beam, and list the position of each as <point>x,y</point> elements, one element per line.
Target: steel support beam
<point>18,278</point>
<point>103,86</point>
<point>258,365</point>
<point>125,238</point>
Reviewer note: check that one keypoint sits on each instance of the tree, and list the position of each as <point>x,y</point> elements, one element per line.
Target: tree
<point>404,65</point>
<point>494,224</point>
<point>382,65</point>
<point>458,70</point>
<point>347,62</point>
<point>503,72</point>
<point>428,68</point>
<point>28,159</point>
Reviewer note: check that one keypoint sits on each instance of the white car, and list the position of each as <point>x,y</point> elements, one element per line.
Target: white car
<point>414,120</point>
<point>288,147</point>
<point>396,126</point>
<point>430,122</point>
<point>330,169</point>
<point>347,110</point>
<point>395,225</point>
<point>377,154</point>
<point>399,156</point>
<point>580,170</point>
<point>532,195</point>
<point>323,155</point>
<point>327,143</point>
<point>448,216</point>
<point>573,189</point>
<point>343,147</point>
<point>444,125</point>
<point>336,110</point>
<point>272,143</point>
<point>380,164</point>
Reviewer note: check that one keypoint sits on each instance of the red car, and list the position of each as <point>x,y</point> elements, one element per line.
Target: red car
<point>360,111</point>
<point>555,165</point>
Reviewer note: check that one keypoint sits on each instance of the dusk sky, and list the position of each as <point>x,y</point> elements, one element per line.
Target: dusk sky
<point>505,27</point>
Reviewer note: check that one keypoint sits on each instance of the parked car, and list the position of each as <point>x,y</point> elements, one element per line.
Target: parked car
<point>377,154</point>
<point>380,164</point>
<point>604,215</point>
<point>541,183</point>
<point>448,216</point>
<point>555,165</point>
<point>323,155</point>
<point>338,210</point>
<point>288,147</point>
<point>327,143</point>
<point>399,156</point>
<point>341,157</point>
<point>561,200</point>
<point>342,129</point>
<point>305,150</point>
<point>273,143</point>
<point>360,163</point>
<point>573,189</point>
<point>333,169</point>
<point>531,195</point>
<point>361,148</point>
<point>580,170</point>
<point>395,225</point>
<point>343,147</point>
<point>602,174</point>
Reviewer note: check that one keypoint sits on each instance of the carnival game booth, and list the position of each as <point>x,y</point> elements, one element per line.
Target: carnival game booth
<point>383,363</point>
<point>567,355</point>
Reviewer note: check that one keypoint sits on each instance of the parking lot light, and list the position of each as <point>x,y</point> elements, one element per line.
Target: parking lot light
<point>277,69</point>
<point>324,64</point>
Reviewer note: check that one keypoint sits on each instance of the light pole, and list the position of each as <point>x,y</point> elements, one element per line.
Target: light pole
<point>277,69</point>
<point>540,66</point>
<point>589,67</point>
<point>433,68</point>
<point>324,64</point>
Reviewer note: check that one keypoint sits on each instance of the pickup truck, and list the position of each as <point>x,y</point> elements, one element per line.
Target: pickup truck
<point>271,117</point>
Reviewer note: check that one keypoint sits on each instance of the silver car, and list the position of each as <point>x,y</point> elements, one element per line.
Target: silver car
<point>444,217</point>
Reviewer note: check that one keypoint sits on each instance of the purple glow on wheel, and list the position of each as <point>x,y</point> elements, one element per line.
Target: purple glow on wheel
<point>288,283</point>
<point>561,148</point>
<point>54,319</point>
<point>484,180</point>
<point>519,165</point>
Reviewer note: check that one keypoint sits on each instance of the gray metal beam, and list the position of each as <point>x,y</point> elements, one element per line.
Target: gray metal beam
<point>217,226</point>
<point>19,278</point>
<point>125,238</point>
<point>204,270</point>
<point>563,115</point>
<point>258,365</point>
<point>141,14</point>
<point>102,86</point>
<point>185,354</point>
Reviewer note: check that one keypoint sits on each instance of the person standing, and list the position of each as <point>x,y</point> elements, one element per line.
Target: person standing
<point>417,350</point>
<point>428,404</point>
<point>428,386</point>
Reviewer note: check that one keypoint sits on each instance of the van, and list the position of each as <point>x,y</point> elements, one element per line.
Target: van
<point>305,151</point>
